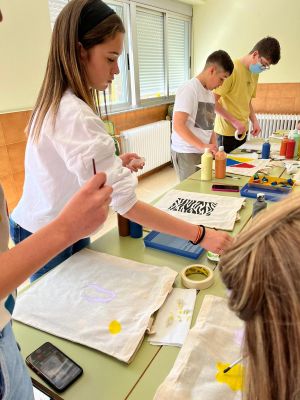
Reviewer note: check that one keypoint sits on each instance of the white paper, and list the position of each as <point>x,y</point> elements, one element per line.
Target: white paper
<point>213,211</point>
<point>214,340</point>
<point>98,300</point>
<point>174,318</point>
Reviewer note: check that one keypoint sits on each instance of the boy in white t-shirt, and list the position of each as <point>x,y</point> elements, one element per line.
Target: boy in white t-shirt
<point>194,114</point>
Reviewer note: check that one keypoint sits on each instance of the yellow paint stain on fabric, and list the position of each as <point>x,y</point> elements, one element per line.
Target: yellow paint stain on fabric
<point>115,327</point>
<point>233,378</point>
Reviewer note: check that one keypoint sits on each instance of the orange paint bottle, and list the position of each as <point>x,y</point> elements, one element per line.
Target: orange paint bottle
<point>220,163</point>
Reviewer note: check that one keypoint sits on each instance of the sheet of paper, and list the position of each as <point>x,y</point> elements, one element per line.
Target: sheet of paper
<point>174,318</point>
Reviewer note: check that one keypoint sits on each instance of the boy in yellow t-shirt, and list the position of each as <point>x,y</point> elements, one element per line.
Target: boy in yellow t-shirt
<point>233,98</point>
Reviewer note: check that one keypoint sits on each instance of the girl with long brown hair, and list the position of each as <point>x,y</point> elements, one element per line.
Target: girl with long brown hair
<point>262,271</point>
<point>65,133</point>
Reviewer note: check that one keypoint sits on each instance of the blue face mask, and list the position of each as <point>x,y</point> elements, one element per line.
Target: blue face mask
<point>256,68</point>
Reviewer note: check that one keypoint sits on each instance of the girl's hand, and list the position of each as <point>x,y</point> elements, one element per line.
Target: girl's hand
<point>132,161</point>
<point>216,241</point>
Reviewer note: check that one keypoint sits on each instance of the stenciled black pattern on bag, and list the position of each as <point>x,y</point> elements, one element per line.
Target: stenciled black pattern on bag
<point>189,206</point>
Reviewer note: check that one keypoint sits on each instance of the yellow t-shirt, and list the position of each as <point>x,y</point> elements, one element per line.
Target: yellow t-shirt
<point>236,94</point>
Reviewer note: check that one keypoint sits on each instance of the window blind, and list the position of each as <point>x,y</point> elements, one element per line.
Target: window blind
<point>151,49</point>
<point>178,53</point>
<point>55,7</point>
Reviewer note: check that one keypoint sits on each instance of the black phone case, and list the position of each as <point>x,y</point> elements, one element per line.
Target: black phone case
<point>42,376</point>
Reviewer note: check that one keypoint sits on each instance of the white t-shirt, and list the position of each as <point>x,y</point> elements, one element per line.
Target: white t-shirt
<point>61,162</point>
<point>193,99</point>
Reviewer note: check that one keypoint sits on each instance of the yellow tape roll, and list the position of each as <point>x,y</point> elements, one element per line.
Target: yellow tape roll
<point>239,136</point>
<point>197,269</point>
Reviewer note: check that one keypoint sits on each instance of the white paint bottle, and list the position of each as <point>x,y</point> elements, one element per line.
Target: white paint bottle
<point>206,165</point>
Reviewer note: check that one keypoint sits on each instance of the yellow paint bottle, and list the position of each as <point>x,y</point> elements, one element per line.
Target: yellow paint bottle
<point>206,165</point>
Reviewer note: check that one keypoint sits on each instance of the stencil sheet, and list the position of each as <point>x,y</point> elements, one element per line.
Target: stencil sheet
<point>98,300</point>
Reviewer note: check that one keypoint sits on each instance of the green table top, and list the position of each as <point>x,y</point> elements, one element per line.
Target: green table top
<point>105,377</point>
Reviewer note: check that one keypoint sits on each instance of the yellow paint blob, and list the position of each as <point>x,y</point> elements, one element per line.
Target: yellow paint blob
<point>233,378</point>
<point>115,327</point>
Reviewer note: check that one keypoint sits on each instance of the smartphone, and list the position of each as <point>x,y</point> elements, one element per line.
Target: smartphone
<point>225,188</point>
<point>54,367</point>
<point>40,392</point>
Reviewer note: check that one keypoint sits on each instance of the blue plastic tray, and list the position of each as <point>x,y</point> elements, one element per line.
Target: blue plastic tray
<point>172,244</point>
<point>270,195</point>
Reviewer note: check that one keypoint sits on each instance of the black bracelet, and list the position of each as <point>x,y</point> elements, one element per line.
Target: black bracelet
<point>201,237</point>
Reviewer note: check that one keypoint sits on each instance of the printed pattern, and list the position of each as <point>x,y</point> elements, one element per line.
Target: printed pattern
<point>193,206</point>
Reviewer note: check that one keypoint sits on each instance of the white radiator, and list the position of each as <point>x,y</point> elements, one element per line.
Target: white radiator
<point>270,123</point>
<point>151,141</point>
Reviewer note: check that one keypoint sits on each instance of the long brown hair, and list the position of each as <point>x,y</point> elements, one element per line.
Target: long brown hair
<point>64,68</point>
<point>263,273</point>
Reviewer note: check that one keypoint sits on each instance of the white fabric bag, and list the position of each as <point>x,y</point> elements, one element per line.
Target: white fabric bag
<point>215,338</point>
<point>213,211</point>
<point>98,300</point>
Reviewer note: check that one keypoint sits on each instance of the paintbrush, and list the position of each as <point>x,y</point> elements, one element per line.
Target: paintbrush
<point>94,167</point>
<point>232,365</point>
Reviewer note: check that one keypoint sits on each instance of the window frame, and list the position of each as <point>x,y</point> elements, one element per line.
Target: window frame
<point>132,79</point>
<point>134,49</point>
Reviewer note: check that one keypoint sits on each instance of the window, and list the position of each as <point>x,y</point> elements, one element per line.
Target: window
<point>55,7</point>
<point>156,56</point>
<point>162,43</point>
<point>151,53</point>
<point>178,53</point>
<point>119,92</point>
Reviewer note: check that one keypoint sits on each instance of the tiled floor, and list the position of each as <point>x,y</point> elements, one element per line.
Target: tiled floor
<point>148,189</point>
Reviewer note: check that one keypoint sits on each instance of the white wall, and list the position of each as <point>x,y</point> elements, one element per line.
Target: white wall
<point>24,42</point>
<point>236,25</point>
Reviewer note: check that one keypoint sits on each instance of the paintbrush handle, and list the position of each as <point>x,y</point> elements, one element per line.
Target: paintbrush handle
<point>232,365</point>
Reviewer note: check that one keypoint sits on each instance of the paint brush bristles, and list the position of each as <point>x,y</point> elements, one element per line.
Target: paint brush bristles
<point>232,365</point>
<point>94,167</point>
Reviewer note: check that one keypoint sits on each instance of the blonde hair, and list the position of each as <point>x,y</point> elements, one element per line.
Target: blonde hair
<point>263,273</point>
<point>64,68</point>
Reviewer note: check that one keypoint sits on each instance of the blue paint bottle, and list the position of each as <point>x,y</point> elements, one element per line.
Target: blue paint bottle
<point>265,151</point>
<point>135,230</point>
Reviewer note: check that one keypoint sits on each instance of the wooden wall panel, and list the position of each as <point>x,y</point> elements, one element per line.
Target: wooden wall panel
<point>277,98</point>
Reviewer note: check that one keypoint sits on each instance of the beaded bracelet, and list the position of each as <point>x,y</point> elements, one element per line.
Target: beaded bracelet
<point>200,235</point>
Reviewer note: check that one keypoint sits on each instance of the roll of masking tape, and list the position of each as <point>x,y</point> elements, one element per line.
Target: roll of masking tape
<point>239,136</point>
<point>197,269</point>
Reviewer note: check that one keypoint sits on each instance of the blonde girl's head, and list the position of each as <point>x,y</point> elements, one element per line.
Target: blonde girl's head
<point>82,26</point>
<point>262,271</point>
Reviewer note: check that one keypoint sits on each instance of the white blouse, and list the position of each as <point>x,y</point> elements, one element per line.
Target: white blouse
<point>61,162</point>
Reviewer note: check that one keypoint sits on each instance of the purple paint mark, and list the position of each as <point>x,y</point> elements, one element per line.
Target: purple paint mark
<point>239,336</point>
<point>92,293</point>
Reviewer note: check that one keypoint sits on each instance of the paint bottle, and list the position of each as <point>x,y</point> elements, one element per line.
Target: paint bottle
<point>206,165</point>
<point>265,151</point>
<point>220,163</point>
<point>135,230</point>
<point>296,137</point>
<point>259,204</point>
<point>290,147</point>
<point>283,145</point>
<point>123,225</point>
